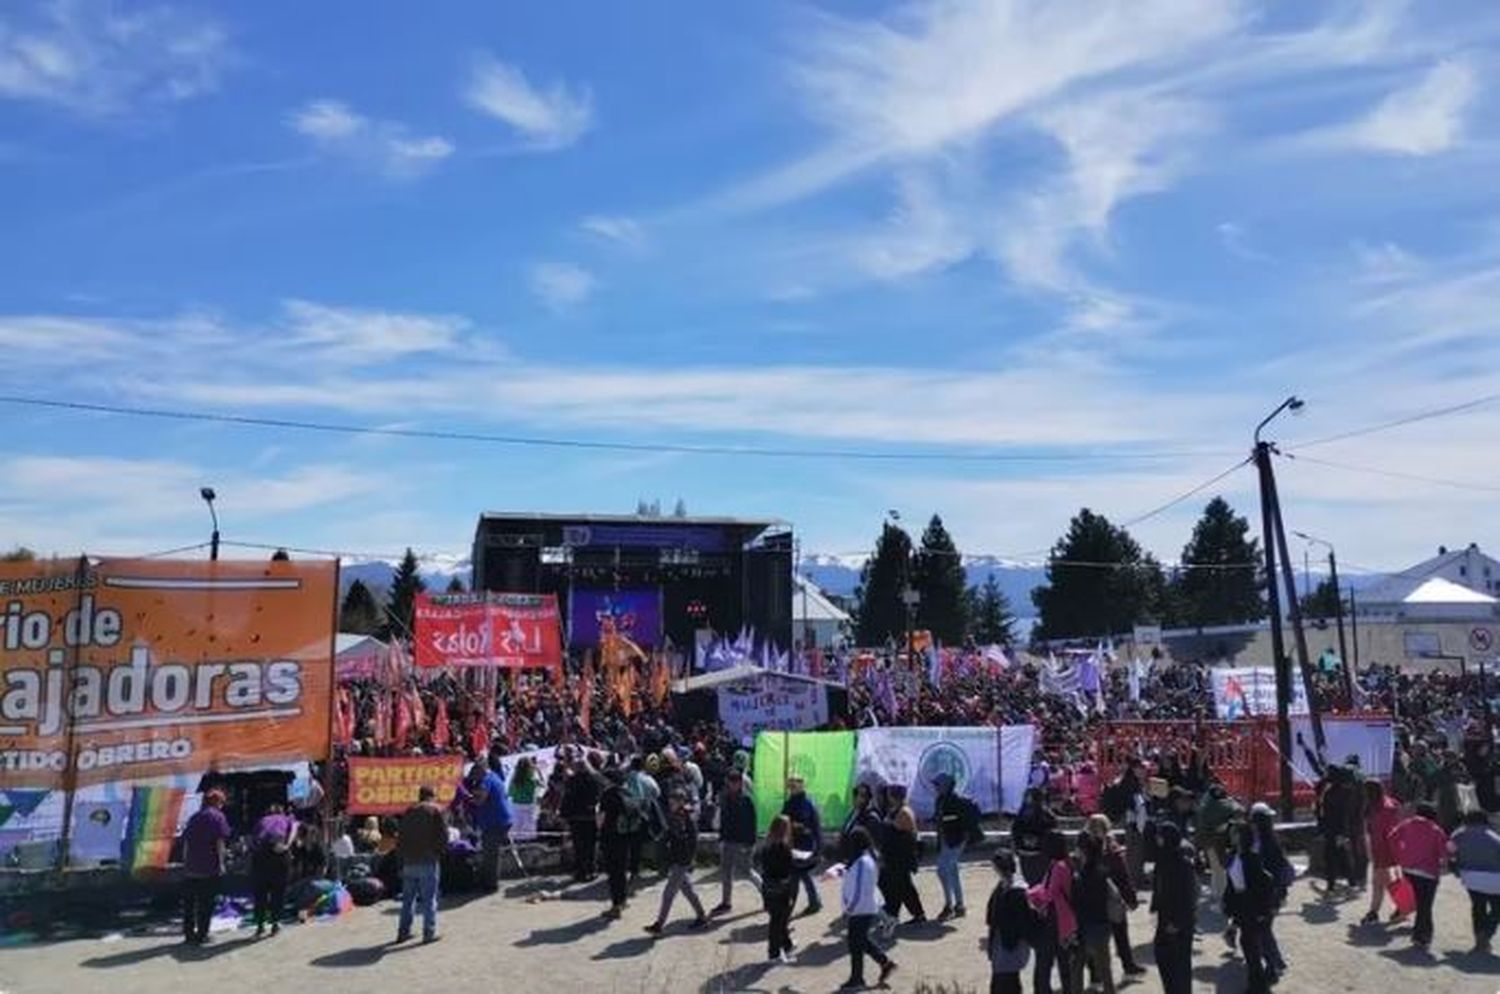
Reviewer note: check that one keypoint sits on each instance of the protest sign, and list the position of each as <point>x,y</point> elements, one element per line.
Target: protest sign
<point>507,631</point>
<point>988,765</point>
<point>769,702</point>
<point>1250,691</point>
<point>388,786</point>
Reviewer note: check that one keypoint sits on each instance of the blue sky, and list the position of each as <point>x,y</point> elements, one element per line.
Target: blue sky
<point>1082,230</point>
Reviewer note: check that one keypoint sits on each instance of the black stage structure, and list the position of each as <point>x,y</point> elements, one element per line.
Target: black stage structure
<point>703,574</point>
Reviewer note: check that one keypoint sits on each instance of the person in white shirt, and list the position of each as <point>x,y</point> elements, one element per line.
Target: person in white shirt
<point>861,905</point>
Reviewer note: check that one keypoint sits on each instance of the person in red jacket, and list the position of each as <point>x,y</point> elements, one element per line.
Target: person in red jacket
<point>1421,847</point>
<point>1382,815</point>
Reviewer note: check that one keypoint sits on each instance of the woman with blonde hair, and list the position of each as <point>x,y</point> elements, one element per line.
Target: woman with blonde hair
<point>1112,854</point>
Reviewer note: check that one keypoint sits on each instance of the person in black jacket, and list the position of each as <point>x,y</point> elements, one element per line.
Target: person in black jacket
<point>614,840</point>
<point>1174,899</point>
<point>681,844</point>
<point>862,815</point>
<point>580,808</point>
<point>1091,901</point>
<point>956,821</point>
<point>1011,924</point>
<point>736,837</point>
<point>1029,831</point>
<point>1250,900</point>
<point>1337,824</point>
<point>778,887</point>
<point>899,854</point>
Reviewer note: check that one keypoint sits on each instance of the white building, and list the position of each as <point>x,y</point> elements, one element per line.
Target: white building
<point>1452,586</point>
<point>816,619</point>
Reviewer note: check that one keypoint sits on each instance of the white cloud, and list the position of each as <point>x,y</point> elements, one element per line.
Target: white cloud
<point>96,59</point>
<point>561,285</point>
<point>546,118</point>
<point>1236,241</point>
<point>921,234</point>
<point>624,231</point>
<point>369,335</point>
<point>386,147</point>
<point>1423,119</point>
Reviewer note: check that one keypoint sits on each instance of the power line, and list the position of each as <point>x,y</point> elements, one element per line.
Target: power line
<point>1440,412</point>
<point>453,435</point>
<point>1184,496</point>
<point>1394,474</point>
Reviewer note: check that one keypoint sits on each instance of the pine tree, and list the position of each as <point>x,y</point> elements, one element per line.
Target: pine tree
<point>408,583</point>
<point>938,576</point>
<point>880,613</point>
<point>19,554</point>
<point>456,585</point>
<point>1226,587</point>
<point>679,510</point>
<point>1099,582</point>
<point>1323,602</point>
<point>359,613</point>
<point>990,619</point>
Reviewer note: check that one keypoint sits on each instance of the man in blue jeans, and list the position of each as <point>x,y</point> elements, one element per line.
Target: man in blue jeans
<point>493,819</point>
<point>955,822</point>
<point>421,845</point>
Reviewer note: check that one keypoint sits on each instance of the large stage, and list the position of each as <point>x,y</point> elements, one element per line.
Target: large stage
<point>658,577</point>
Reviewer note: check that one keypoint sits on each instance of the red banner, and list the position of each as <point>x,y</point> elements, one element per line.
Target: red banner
<point>510,631</point>
<point>389,786</point>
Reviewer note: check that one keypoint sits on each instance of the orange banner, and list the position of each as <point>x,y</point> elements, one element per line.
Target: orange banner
<point>174,667</point>
<point>389,786</point>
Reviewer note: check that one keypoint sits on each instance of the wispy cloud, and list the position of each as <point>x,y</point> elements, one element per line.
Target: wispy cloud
<point>96,59</point>
<point>561,285</point>
<point>1425,118</point>
<point>388,148</point>
<point>546,118</point>
<point>1236,241</point>
<point>614,228</point>
<point>369,335</point>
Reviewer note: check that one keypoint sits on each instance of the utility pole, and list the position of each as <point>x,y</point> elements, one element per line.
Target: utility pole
<point>1262,457</point>
<point>1354,626</point>
<point>1294,612</point>
<point>1338,610</point>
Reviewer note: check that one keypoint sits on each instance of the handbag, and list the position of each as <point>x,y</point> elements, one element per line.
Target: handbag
<point>1403,896</point>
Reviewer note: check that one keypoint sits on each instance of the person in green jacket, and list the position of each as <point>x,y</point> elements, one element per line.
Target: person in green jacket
<point>1211,832</point>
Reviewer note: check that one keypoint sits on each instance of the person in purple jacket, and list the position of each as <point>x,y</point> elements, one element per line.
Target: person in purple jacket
<point>203,840</point>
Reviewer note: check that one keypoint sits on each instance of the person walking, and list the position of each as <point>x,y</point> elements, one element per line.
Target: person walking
<point>270,866</point>
<point>807,836</point>
<point>1118,867</point>
<point>421,845</point>
<point>861,905</point>
<point>1382,814</point>
<point>1010,923</point>
<point>615,832</point>
<point>580,808</point>
<point>957,821</point>
<point>1092,904</point>
<point>778,887</point>
<point>862,814</point>
<point>1281,873</point>
<point>1174,900</point>
<point>1211,829</point>
<point>736,838</point>
<point>203,839</point>
<point>1476,851</point>
<point>1029,831</point>
<point>681,843</point>
<point>1058,939</point>
<point>900,849</point>
<point>1249,900</point>
<point>645,792</point>
<point>1336,825</point>
<point>491,814</point>
<point>1421,848</point>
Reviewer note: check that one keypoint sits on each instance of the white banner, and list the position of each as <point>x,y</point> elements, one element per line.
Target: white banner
<point>1373,740</point>
<point>1250,691</point>
<point>524,825</point>
<point>989,765</point>
<point>771,704</point>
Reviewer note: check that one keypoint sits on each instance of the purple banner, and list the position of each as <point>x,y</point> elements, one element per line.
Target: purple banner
<point>636,613</point>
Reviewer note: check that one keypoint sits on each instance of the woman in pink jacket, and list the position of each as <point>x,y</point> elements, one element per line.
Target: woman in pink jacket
<point>1421,847</point>
<point>1086,784</point>
<point>1382,815</point>
<point>1053,897</point>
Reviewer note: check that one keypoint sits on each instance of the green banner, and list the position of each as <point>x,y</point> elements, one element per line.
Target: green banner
<point>825,760</point>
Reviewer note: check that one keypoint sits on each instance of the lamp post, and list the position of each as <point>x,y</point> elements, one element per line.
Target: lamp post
<point>1338,609</point>
<point>208,495</point>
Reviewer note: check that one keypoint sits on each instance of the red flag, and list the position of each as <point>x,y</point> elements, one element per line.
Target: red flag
<point>403,721</point>
<point>440,725</point>
<point>586,698</point>
<point>382,730</point>
<point>418,712</point>
<point>479,735</point>
<point>343,717</point>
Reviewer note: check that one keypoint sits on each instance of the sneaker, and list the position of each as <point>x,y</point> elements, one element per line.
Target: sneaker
<point>785,957</point>
<point>260,931</point>
<point>1134,970</point>
<point>430,938</point>
<point>959,911</point>
<point>276,928</point>
<point>945,914</point>
<point>402,937</point>
<point>1370,918</point>
<point>1397,916</point>
<point>852,985</point>
<point>886,969</point>
<point>917,920</point>
<point>612,913</point>
<point>699,922</point>
<point>653,929</point>
<point>721,909</point>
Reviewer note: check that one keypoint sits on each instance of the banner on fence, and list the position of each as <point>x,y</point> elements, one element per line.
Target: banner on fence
<point>1372,740</point>
<point>770,702</point>
<point>1250,692</point>
<point>825,762</point>
<point>174,667</point>
<point>989,765</point>
<point>523,824</point>
<point>388,786</point>
<point>506,631</point>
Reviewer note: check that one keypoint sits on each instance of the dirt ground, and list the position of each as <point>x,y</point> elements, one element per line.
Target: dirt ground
<point>562,944</point>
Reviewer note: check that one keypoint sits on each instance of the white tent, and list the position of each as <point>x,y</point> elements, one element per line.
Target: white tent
<point>814,612</point>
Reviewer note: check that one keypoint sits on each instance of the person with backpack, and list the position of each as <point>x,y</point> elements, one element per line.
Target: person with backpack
<point>615,834</point>
<point>1174,899</point>
<point>1057,941</point>
<point>681,842</point>
<point>1421,848</point>
<point>736,838</point>
<point>1010,923</point>
<point>957,824</point>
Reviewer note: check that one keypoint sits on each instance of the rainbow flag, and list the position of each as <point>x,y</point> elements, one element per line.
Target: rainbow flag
<point>154,812</point>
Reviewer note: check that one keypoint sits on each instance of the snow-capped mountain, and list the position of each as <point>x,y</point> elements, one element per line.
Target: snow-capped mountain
<point>436,569</point>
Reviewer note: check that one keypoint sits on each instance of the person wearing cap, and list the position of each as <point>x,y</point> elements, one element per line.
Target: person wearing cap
<point>422,843</point>
<point>956,822</point>
<point>736,838</point>
<point>203,840</point>
<point>807,836</point>
<point>1174,900</point>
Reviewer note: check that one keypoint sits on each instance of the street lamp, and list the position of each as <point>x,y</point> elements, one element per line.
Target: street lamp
<point>1293,404</point>
<point>208,495</point>
<point>1338,609</point>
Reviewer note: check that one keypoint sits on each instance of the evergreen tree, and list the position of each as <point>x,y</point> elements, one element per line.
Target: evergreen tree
<point>1227,588</point>
<point>679,510</point>
<point>1323,602</point>
<point>407,584</point>
<point>359,613</point>
<point>19,554</point>
<point>456,585</point>
<point>938,576</point>
<point>880,613</point>
<point>990,619</point>
<point>1098,582</point>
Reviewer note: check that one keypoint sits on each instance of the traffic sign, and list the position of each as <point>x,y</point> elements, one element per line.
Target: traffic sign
<point>1481,639</point>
